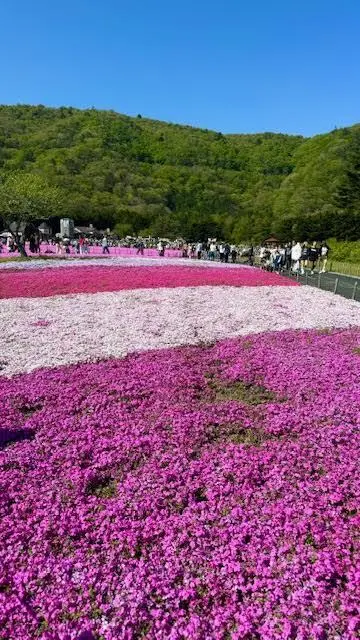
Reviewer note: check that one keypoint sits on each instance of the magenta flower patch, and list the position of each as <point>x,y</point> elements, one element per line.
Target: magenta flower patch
<point>35,283</point>
<point>196,492</point>
<point>40,323</point>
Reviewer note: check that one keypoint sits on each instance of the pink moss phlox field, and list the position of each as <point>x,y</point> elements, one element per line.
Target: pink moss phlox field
<point>197,492</point>
<point>50,282</point>
<point>89,327</point>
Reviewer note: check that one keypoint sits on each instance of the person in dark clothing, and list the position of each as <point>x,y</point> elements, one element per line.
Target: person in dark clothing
<point>304,257</point>
<point>251,256</point>
<point>287,264</point>
<point>140,248</point>
<point>226,252</point>
<point>313,256</point>
<point>32,244</point>
<point>233,254</point>
<point>37,243</point>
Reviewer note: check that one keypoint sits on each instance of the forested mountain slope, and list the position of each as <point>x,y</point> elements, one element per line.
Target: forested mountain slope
<point>150,177</point>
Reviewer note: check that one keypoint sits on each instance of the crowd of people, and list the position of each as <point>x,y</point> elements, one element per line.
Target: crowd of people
<point>201,250</point>
<point>292,256</point>
<point>295,257</point>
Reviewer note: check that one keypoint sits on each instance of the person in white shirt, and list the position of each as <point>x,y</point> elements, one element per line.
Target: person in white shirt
<point>212,251</point>
<point>199,248</point>
<point>222,252</point>
<point>295,256</point>
<point>104,244</point>
<point>324,252</point>
<point>161,248</point>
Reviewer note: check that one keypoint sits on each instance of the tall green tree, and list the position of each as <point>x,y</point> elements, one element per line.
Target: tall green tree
<point>25,197</point>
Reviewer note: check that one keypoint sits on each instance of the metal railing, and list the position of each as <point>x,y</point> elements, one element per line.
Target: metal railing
<point>348,287</point>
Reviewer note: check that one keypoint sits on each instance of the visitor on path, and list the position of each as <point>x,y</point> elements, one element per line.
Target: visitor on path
<point>161,249</point>
<point>263,254</point>
<point>233,253</point>
<point>282,260</point>
<point>32,244</point>
<point>287,264</point>
<point>222,252</point>
<point>313,256</point>
<point>66,245</point>
<point>105,245</point>
<point>140,248</point>
<point>324,253</point>
<point>212,251</point>
<point>295,256</point>
<point>199,249</point>
<point>251,256</point>
<point>277,260</point>
<point>304,257</point>
<point>226,252</point>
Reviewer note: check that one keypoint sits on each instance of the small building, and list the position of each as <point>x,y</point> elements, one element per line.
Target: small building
<point>86,231</point>
<point>45,230</point>
<point>272,242</point>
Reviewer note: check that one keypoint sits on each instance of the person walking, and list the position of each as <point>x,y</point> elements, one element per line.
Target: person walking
<point>161,249</point>
<point>32,246</point>
<point>105,245</point>
<point>324,253</point>
<point>282,252</point>
<point>37,243</point>
<point>295,256</point>
<point>276,260</point>
<point>140,248</point>
<point>226,252</point>
<point>251,256</point>
<point>222,252</point>
<point>199,248</point>
<point>313,256</point>
<point>288,256</point>
<point>304,257</point>
<point>212,251</point>
<point>233,253</point>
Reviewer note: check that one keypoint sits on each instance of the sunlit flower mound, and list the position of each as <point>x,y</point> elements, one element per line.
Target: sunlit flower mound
<point>179,456</point>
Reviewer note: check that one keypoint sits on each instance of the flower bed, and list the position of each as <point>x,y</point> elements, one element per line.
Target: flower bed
<point>46,332</point>
<point>44,262</point>
<point>182,492</point>
<point>91,279</point>
<point>200,492</point>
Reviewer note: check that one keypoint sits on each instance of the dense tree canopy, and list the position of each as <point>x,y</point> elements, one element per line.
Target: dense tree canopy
<point>142,176</point>
<point>24,198</point>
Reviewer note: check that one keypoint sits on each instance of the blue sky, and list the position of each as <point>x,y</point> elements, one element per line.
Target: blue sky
<point>234,66</point>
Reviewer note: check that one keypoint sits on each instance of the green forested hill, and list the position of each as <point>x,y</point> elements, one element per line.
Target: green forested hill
<point>144,176</point>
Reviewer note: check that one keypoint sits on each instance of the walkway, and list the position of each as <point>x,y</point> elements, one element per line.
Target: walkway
<point>346,286</point>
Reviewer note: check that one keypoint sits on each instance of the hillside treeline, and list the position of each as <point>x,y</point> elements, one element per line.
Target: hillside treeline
<point>140,176</point>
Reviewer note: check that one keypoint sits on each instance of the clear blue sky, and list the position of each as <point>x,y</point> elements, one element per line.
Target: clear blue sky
<point>230,65</point>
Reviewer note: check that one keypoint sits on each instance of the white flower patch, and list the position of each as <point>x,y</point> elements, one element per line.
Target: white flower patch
<point>116,261</point>
<point>47,332</point>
